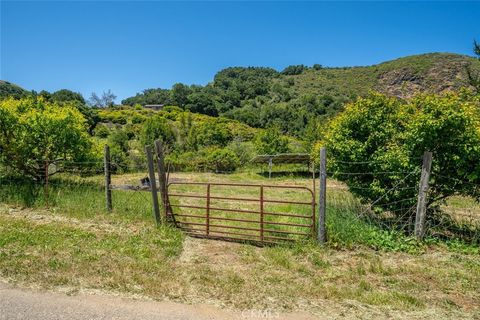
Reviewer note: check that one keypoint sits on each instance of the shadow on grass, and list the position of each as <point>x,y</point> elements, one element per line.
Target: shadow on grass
<point>287,174</point>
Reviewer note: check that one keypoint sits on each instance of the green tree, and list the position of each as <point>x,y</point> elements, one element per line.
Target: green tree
<point>107,99</point>
<point>473,76</point>
<point>385,138</point>
<point>34,131</point>
<point>10,90</point>
<point>65,95</point>
<point>476,49</point>
<point>201,102</point>
<point>155,128</point>
<point>119,138</point>
<point>213,133</point>
<point>294,70</point>
<point>179,94</point>
<point>271,141</point>
<point>149,96</point>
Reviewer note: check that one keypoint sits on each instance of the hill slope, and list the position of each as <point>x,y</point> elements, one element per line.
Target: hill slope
<point>435,72</point>
<point>298,96</point>
<point>8,89</point>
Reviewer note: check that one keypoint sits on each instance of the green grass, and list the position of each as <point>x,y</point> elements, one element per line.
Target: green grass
<point>64,254</point>
<point>75,244</point>
<point>83,198</point>
<point>80,197</point>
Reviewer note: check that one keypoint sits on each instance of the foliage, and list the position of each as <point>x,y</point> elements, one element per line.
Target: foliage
<point>155,128</point>
<point>223,160</point>
<point>473,76</point>
<point>10,90</point>
<point>101,131</point>
<point>34,131</point>
<point>388,136</point>
<point>271,141</point>
<point>107,99</point>
<point>213,133</point>
<point>294,70</point>
<point>476,49</point>
<point>244,150</point>
<point>149,96</point>
<point>257,96</point>
<point>65,95</point>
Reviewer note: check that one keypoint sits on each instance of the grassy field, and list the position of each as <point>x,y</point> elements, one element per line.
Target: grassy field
<point>74,244</point>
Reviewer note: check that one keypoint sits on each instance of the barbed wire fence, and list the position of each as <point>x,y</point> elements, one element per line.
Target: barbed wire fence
<point>397,207</point>
<point>76,186</point>
<point>80,187</point>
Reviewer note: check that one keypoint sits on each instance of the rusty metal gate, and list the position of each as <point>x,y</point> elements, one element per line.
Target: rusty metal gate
<point>202,210</point>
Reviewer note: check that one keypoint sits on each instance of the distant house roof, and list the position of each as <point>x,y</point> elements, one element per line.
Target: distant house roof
<point>153,106</point>
<point>282,158</point>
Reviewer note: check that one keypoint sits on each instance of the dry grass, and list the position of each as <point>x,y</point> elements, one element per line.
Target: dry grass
<point>68,250</point>
<point>463,210</point>
<point>40,248</point>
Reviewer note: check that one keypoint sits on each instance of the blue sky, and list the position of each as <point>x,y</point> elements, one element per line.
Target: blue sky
<point>129,46</point>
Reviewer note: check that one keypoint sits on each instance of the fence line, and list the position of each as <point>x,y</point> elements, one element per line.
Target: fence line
<point>394,206</point>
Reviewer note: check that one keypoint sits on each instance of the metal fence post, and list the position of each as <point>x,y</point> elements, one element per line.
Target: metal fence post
<point>208,210</point>
<point>108,177</point>
<point>153,184</point>
<point>422,196</point>
<point>322,237</point>
<point>261,215</point>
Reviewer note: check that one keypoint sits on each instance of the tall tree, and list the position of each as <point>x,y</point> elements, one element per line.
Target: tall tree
<point>106,100</point>
<point>472,75</point>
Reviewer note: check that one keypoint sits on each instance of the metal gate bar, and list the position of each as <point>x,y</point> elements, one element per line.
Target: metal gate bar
<point>262,234</point>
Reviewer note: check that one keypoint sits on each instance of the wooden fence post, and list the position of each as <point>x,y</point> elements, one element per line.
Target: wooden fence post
<point>422,196</point>
<point>322,237</point>
<point>108,177</point>
<point>162,180</point>
<point>153,184</point>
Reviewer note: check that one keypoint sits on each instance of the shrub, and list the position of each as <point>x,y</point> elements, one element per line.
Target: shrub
<point>155,128</point>
<point>102,131</point>
<point>245,151</point>
<point>34,131</point>
<point>390,136</point>
<point>271,141</point>
<point>294,70</point>
<point>213,133</point>
<point>223,160</point>
<point>138,118</point>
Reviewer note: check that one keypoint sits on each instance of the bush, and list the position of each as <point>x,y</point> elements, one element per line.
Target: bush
<point>155,128</point>
<point>223,160</point>
<point>34,130</point>
<point>245,151</point>
<point>213,133</point>
<point>271,141</point>
<point>390,136</point>
<point>294,70</point>
<point>101,131</point>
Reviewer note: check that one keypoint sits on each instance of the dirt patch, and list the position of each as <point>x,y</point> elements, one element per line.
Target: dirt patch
<point>214,252</point>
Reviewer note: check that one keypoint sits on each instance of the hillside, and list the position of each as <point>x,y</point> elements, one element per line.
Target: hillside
<point>8,89</point>
<point>435,72</point>
<point>299,97</point>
